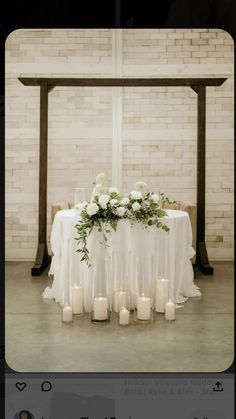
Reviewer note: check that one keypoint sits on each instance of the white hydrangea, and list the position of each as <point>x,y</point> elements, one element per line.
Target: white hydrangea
<point>113,190</point>
<point>136,206</point>
<point>140,185</point>
<point>103,200</point>
<point>136,195</point>
<point>113,202</point>
<point>124,201</point>
<point>155,198</point>
<point>120,211</point>
<point>100,177</point>
<point>92,208</point>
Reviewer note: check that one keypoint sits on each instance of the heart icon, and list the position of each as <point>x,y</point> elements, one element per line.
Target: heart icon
<point>20,386</point>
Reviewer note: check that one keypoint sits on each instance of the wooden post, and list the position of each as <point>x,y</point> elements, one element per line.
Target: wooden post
<point>42,257</point>
<point>202,262</point>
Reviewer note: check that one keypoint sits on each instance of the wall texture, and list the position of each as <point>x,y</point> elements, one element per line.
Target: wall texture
<point>130,133</point>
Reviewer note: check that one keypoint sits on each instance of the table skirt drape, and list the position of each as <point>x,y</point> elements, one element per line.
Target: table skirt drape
<point>160,254</point>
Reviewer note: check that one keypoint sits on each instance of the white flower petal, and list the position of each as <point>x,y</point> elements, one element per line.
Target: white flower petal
<point>92,209</point>
<point>136,206</point>
<point>136,195</point>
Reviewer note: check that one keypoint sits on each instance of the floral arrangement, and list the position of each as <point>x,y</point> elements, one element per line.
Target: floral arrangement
<point>106,207</point>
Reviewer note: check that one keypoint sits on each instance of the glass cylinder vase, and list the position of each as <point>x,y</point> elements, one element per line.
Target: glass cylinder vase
<point>143,311</point>
<point>100,293</point>
<point>119,278</point>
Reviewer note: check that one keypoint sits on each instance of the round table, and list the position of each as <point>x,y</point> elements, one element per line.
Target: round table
<point>162,254</point>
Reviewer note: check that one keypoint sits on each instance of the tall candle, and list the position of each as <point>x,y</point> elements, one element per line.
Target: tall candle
<point>118,299</point>
<point>124,316</point>
<point>143,308</point>
<point>100,308</point>
<point>77,299</point>
<point>67,314</point>
<point>162,292</point>
<point>169,310</point>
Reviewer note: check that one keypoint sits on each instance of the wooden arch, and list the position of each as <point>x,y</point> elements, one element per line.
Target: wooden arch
<point>47,84</point>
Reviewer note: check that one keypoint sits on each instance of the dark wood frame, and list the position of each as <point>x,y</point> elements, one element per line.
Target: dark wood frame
<point>197,84</point>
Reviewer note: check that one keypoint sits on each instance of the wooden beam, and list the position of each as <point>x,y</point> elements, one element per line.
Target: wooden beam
<point>42,258</point>
<point>60,81</point>
<point>202,262</point>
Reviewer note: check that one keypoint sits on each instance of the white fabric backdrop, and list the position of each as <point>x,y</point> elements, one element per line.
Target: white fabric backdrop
<point>160,254</point>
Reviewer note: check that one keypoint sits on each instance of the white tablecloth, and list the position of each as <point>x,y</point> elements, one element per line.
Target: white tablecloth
<point>160,254</point>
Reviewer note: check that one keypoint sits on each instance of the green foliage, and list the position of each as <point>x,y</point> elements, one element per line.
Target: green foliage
<point>149,213</point>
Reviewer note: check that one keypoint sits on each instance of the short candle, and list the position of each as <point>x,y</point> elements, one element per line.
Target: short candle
<point>67,314</point>
<point>100,308</point>
<point>143,308</point>
<point>124,316</point>
<point>170,310</point>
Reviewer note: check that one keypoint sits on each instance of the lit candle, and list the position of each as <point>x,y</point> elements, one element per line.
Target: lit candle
<point>124,316</point>
<point>100,308</point>
<point>162,291</point>
<point>169,310</point>
<point>118,300</point>
<point>77,299</point>
<point>143,308</point>
<point>67,314</point>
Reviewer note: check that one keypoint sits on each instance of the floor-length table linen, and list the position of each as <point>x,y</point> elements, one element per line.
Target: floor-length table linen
<point>161,254</point>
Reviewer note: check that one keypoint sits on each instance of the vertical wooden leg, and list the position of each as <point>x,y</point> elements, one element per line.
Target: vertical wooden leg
<point>42,258</point>
<point>202,262</point>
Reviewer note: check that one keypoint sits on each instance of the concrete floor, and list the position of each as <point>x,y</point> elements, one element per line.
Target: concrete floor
<point>201,338</point>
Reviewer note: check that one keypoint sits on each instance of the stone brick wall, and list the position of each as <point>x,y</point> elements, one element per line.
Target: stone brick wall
<point>158,134</point>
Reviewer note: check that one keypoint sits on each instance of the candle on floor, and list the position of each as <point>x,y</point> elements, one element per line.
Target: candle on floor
<point>124,316</point>
<point>169,310</point>
<point>67,314</point>
<point>100,308</point>
<point>162,291</point>
<point>117,299</point>
<point>144,308</point>
<point>77,299</point>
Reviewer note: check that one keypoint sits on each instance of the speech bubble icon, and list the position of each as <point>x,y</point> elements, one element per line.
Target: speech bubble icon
<point>46,386</point>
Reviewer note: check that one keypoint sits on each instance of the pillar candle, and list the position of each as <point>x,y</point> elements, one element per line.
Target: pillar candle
<point>162,292</point>
<point>117,299</point>
<point>77,299</point>
<point>169,310</point>
<point>100,308</point>
<point>124,316</point>
<point>67,314</point>
<point>143,308</point>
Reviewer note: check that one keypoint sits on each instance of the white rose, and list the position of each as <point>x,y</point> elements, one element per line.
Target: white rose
<point>113,190</point>
<point>124,201</point>
<point>136,195</point>
<point>92,209</point>
<point>140,185</point>
<point>120,211</point>
<point>155,198</point>
<point>136,206</point>
<point>113,202</point>
<point>100,177</point>
<point>103,200</point>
